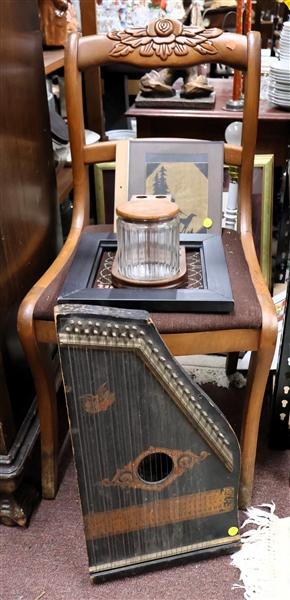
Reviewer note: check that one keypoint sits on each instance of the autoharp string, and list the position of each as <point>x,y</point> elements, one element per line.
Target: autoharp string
<point>113,377</point>
<point>123,383</point>
<point>91,388</point>
<point>150,443</point>
<point>106,452</point>
<point>74,382</point>
<point>132,391</point>
<point>82,363</point>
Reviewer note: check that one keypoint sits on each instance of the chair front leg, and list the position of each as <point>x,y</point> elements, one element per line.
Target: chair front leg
<point>40,362</point>
<point>44,378</point>
<point>258,373</point>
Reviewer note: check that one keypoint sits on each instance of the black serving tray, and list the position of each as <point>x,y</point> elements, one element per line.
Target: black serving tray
<point>215,295</point>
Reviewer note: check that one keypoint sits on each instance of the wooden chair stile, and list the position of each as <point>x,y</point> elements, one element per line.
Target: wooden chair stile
<point>255,327</point>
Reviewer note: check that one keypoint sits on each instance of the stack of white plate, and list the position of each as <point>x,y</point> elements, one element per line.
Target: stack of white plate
<point>279,75</point>
<point>285,41</point>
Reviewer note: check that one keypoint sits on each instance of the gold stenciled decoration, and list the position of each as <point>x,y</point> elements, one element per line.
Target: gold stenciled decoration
<point>163,37</point>
<point>100,401</point>
<point>181,461</point>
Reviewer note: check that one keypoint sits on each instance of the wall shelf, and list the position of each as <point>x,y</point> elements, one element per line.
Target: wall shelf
<point>64,181</point>
<point>53,60</point>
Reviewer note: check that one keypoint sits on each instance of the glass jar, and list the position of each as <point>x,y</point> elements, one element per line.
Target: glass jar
<point>148,239</point>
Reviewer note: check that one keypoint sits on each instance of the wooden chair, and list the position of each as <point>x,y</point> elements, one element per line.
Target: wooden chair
<point>252,325</point>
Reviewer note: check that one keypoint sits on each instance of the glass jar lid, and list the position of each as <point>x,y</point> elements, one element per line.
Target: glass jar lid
<point>147,210</point>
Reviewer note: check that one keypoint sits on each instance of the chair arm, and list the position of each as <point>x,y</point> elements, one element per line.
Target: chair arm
<point>269,317</point>
<point>25,320</point>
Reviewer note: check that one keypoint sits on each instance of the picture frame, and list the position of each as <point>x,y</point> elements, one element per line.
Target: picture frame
<point>190,171</point>
<point>104,176</point>
<point>262,204</point>
<point>262,210</point>
<point>281,270</point>
<point>215,295</point>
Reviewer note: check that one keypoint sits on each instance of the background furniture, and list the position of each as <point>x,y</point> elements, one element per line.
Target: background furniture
<point>223,17</point>
<point>30,237</point>
<point>53,64</point>
<point>252,326</point>
<point>94,115</point>
<point>279,431</point>
<point>273,126</point>
<point>268,18</point>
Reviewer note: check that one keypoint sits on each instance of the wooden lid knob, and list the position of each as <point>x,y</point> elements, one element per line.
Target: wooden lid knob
<point>147,210</point>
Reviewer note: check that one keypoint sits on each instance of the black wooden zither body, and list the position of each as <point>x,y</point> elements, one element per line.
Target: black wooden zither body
<point>157,462</point>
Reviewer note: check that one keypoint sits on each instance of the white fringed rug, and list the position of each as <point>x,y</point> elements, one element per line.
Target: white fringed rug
<point>217,376</point>
<point>210,369</point>
<point>264,559</point>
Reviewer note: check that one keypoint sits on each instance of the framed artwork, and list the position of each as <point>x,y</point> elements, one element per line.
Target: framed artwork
<point>104,174</point>
<point>262,210</point>
<point>190,171</point>
<point>282,260</point>
<point>208,287</point>
<point>262,203</point>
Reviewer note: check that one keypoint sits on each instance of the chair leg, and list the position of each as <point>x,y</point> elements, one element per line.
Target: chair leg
<point>47,408</point>
<point>258,373</point>
<point>231,363</point>
<point>40,362</point>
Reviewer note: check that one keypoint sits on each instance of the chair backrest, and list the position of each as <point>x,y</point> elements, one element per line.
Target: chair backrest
<point>162,43</point>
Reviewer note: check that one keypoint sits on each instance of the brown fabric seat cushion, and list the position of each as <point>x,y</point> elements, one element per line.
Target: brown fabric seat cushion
<point>44,308</point>
<point>246,314</point>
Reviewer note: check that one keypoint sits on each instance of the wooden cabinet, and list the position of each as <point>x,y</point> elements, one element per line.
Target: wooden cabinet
<point>30,235</point>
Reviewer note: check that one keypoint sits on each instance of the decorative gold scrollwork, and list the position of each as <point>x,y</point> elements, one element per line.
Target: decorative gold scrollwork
<point>100,401</point>
<point>164,37</point>
<point>128,476</point>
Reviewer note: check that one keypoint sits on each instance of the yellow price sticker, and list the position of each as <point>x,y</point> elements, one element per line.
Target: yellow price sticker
<point>207,223</point>
<point>233,531</point>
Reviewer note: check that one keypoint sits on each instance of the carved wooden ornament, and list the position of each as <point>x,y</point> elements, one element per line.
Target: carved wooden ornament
<point>164,37</point>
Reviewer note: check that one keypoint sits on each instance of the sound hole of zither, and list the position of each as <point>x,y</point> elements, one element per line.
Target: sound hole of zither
<point>155,467</point>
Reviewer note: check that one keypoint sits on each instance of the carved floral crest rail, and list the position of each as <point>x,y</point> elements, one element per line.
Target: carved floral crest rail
<point>164,37</point>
